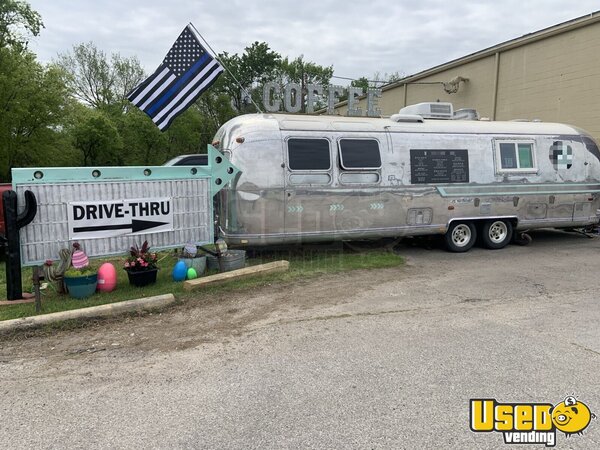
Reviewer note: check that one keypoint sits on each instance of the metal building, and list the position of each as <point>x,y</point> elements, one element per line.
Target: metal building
<point>552,75</point>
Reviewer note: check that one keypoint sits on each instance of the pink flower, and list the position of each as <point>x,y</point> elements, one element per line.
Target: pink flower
<point>49,262</point>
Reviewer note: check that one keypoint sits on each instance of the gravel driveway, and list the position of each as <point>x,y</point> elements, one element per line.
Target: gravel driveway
<point>366,359</point>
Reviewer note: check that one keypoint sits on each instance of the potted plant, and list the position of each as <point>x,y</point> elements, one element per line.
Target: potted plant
<point>81,283</point>
<point>141,265</point>
<point>81,278</point>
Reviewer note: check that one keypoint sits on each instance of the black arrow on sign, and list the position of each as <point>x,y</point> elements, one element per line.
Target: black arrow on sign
<point>135,225</point>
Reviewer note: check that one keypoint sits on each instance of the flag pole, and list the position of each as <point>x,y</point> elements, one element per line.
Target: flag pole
<point>227,69</point>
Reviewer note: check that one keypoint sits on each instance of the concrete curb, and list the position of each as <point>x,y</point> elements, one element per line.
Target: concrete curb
<point>92,312</point>
<point>261,269</point>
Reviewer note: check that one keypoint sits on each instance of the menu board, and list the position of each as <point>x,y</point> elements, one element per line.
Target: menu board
<point>439,166</point>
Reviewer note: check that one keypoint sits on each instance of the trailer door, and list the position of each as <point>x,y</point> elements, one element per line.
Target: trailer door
<point>309,179</point>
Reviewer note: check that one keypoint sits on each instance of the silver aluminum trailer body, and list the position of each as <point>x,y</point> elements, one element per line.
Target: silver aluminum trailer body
<point>314,178</point>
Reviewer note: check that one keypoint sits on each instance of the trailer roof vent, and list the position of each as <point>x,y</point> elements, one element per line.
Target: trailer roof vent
<point>439,110</point>
<point>466,114</point>
<point>406,118</point>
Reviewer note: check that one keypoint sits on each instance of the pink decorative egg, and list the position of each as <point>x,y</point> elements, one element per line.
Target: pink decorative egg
<point>107,277</point>
<point>79,259</point>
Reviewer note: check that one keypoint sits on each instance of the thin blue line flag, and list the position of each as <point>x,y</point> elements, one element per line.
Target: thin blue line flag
<point>186,72</point>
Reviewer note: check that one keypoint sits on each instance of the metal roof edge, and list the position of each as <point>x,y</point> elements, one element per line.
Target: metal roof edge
<point>544,33</point>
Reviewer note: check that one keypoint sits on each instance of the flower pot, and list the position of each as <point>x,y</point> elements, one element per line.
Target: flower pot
<point>81,287</point>
<point>142,278</point>
<point>198,263</point>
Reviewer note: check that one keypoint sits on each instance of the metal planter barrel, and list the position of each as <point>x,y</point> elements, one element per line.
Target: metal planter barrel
<point>231,260</point>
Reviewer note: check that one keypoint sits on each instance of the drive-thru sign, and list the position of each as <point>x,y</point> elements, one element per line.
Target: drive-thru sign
<point>89,220</point>
<point>108,209</point>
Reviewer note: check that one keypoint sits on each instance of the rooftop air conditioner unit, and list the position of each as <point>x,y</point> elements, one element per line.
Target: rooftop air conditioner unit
<point>438,110</point>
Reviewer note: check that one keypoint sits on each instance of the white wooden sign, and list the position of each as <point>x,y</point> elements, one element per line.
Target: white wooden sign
<point>101,219</point>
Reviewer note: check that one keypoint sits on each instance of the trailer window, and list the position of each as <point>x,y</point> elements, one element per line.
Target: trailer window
<point>357,154</point>
<point>309,154</point>
<point>515,156</point>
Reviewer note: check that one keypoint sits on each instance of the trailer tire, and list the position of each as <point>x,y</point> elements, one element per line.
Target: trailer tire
<point>496,234</point>
<point>460,236</point>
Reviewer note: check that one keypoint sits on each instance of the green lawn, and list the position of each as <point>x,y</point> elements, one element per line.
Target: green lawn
<point>305,262</point>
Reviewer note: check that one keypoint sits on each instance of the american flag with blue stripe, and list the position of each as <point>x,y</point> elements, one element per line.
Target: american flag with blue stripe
<point>186,72</point>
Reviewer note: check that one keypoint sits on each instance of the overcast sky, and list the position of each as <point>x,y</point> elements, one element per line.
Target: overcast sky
<point>358,39</point>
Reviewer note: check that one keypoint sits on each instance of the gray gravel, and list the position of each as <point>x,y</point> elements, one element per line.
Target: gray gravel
<point>393,365</point>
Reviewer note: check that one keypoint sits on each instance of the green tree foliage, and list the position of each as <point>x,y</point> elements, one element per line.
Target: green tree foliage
<point>259,65</point>
<point>96,136</point>
<point>362,82</point>
<point>376,81</point>
<point>32,97</point>
<point>17,22</point>
<point>303,72</point>
<point>74,111</point>
<point>143,142</point>
<point>217,108</point>
<point>256,66</point>
<point>97,80</point>
<point>33,100</point>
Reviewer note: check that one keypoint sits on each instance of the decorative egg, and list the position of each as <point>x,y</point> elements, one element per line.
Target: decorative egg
<point>191,273</point>
<point>179,271</point>
<point>107,277</point>
<point>79,259</point>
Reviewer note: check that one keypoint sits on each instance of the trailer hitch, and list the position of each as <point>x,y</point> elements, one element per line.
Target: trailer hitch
<point>522,238</point>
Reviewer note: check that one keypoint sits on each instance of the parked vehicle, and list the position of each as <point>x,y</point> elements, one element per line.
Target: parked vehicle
<point>314,178</point>
<point>188,160</point>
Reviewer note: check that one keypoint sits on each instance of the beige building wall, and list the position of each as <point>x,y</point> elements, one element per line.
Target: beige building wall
<point>556,80</point>
<point>552,75</point>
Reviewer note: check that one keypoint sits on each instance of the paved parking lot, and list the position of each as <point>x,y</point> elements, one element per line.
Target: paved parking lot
<point>359,360</point>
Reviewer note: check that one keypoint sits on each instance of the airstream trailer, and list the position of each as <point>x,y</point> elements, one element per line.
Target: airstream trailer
<point>315,178</point>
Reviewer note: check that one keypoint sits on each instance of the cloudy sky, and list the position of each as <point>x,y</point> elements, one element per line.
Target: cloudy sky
<point>358,39</point>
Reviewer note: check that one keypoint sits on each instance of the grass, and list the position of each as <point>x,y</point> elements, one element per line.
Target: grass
<point>305,262</point>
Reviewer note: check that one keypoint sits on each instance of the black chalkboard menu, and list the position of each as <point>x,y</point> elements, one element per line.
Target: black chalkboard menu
<point>439,166</point>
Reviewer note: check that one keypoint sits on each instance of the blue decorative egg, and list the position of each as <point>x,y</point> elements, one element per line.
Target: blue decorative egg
<point>179,271</point>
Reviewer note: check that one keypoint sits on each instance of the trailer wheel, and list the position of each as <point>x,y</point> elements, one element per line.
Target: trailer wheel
<point>460,236</point>
<point>496,234</point>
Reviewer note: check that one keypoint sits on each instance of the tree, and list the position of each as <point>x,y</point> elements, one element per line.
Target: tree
<point>362,82</point>
<point>217,109</point>
<point>33,101</point>
<point>185,135</point>
<point>97,81</point>
<point>97,137</point>
<point>145,143</point>
<point>32,97</point>
<point>17,20</point>
<point>256,66</point>
<point>259,65</point>
<point>304,73</point>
